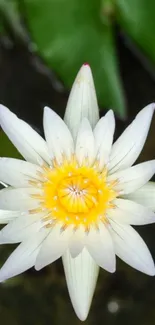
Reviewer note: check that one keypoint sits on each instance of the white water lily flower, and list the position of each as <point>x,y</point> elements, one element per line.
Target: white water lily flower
<point>77,194</point>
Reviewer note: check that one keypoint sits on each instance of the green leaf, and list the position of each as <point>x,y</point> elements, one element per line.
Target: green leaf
<point>6,147</point>
<point>68,33</point>
<point>137,18</point>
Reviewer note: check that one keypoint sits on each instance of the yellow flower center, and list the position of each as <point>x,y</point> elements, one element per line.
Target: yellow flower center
<point>75,194</point>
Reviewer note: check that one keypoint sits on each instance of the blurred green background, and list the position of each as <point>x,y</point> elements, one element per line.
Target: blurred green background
<point>43,43</point>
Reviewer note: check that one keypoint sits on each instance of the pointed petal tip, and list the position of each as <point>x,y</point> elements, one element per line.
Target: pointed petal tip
<point>86,73</point>
<point>46,113</point>
<point>151,106</point>
<point>82,314</point>
<point>86,64</point>
<point>148,110</point>
<point>111,118</point>
<point>3,274</point>
<point>86,67</point>
<point>50,113</point>
<point>110,112</point>
<point>3,107</point>
<point>37,267</point>
<point>113,268</point>
<point>151,272</point>
<point>81,310</point>
<point>2,278</point>
<point>5,113</point>
<point>4,110</point>
<point>47,110</point>
<point>150,269</point>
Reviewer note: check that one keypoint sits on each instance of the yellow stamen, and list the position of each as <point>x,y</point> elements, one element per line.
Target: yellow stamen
<point>75,194</point>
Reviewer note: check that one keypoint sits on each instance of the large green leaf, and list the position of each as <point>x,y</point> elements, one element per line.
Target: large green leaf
<point>137,18</point>
<point>68,33</point>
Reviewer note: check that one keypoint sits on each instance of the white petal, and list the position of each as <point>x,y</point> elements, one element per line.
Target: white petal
<point>130,247</point>
<point>21,228</point>
<point>57,135</point>
<point>82,101</point>
<point>18,199</point>
<point>134,177</point>
<point>103,134</point>
<point>53,247</point>
<point>23,257</point>
<point>81,276</point>
<point>85,146</point>
<point>17,172</point>
<point>100,247</point>
<point>127,148</point>
<point>28,142</point>
<point>6,215</point>
<point>129,212</point>
<point>76,242</point>
<point>3,184</point>
<point>145,195</point>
